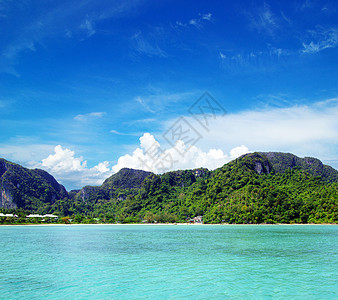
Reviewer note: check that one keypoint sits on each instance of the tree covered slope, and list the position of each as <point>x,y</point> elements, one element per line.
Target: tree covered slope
<point>29,189</point>
<point>283,161</point>
<point>256,188</point>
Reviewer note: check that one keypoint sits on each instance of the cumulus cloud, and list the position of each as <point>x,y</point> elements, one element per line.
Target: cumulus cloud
<point>150,156</point>
<point>63,160</point>
<point>73,171</point>
<point>305,130</point>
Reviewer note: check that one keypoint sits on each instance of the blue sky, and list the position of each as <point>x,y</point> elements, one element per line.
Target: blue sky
<point>81,82</point>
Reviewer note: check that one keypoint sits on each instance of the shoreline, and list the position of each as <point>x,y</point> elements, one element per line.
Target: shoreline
<point>170,224</point>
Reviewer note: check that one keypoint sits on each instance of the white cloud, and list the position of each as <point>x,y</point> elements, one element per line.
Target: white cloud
<point>144,104</point>
<point>88,26</point>
<point>24,153</point>
<point>73,171</point>
<point>264,20</point>
<point>89,116</point>
<point>238,151</point>
<point>115,132</point>
<point>150,156</point>
<point>207,16</point>
<point>324,39</point>
<point>147,46</point>
<point>305,130</point>
<point>156,101</point>
<point>222,55</point>
<point>63,160</point>
<point>197,22</point>
<point>140,121</point>
<point>54,21</point>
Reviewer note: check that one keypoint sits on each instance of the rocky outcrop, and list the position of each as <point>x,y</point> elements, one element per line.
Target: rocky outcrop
<point>126,179</point>
<point>7,199</point>
<point>257,162</point>
<point>59,189</point>
<point>283,161</point>
<point>24,188</point>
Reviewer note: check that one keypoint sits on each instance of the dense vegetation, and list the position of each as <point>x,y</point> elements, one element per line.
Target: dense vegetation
<point>30,189</point>
<point>255,188</point>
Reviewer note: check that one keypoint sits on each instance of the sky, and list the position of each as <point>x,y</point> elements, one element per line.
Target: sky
<point>89,87</point>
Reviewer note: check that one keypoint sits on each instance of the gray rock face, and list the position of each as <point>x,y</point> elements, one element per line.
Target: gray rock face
<point>7,199</point>
<point>258,167</point>
<point>262,168</point>
<point>24,188</point>
<point>283,161</point>
<point>126,178</point>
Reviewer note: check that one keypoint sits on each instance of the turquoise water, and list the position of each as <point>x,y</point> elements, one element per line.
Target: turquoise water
<point>169,262</point>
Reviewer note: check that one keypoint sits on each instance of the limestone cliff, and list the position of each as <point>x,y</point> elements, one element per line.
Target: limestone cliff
<point>25,188</point>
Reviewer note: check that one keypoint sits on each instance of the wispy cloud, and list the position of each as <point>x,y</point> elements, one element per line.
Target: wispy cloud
<point>158,101</point>
<point>61,20</point>
<point>323,39</point>
<point>24,152</point>
<point>116,132</point>
<point>113,131</point>
<point>264,20</point>
<point>140,121</point>
<point>147,46</point>
<point>144,104</point>
<point>88,26</point>
<point>197,22</point>
<point>252,61</point>
<point>307,4</point>
<point>301,129</point>
<point>89,116</point>
<point>285,18</point>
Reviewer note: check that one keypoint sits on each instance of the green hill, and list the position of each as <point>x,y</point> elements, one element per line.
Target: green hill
<point>283,161</point>
<point>267,187</point>
<point>29,189</point>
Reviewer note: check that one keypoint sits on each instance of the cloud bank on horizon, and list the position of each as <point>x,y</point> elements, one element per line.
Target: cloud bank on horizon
<point>72,170</point>
<point>303,130</point>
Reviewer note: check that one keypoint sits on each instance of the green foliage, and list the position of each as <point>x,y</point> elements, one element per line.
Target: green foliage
<point>255,188</point>
<point>34,190</point>
<point>284,161</point>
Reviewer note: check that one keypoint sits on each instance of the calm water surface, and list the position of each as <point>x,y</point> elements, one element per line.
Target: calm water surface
<point>169,262</point>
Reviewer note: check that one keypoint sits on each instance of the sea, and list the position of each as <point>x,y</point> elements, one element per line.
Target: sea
<point>169,262</point>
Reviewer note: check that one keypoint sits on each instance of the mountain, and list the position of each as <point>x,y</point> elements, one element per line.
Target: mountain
<point>129,181</point>
<point>24,188</point>
<point>283,161</point>
<point>126,179</point>
<point>250,190</point>
<point>254,188</point>
<point>261,187</point>
<point>117,185</point>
